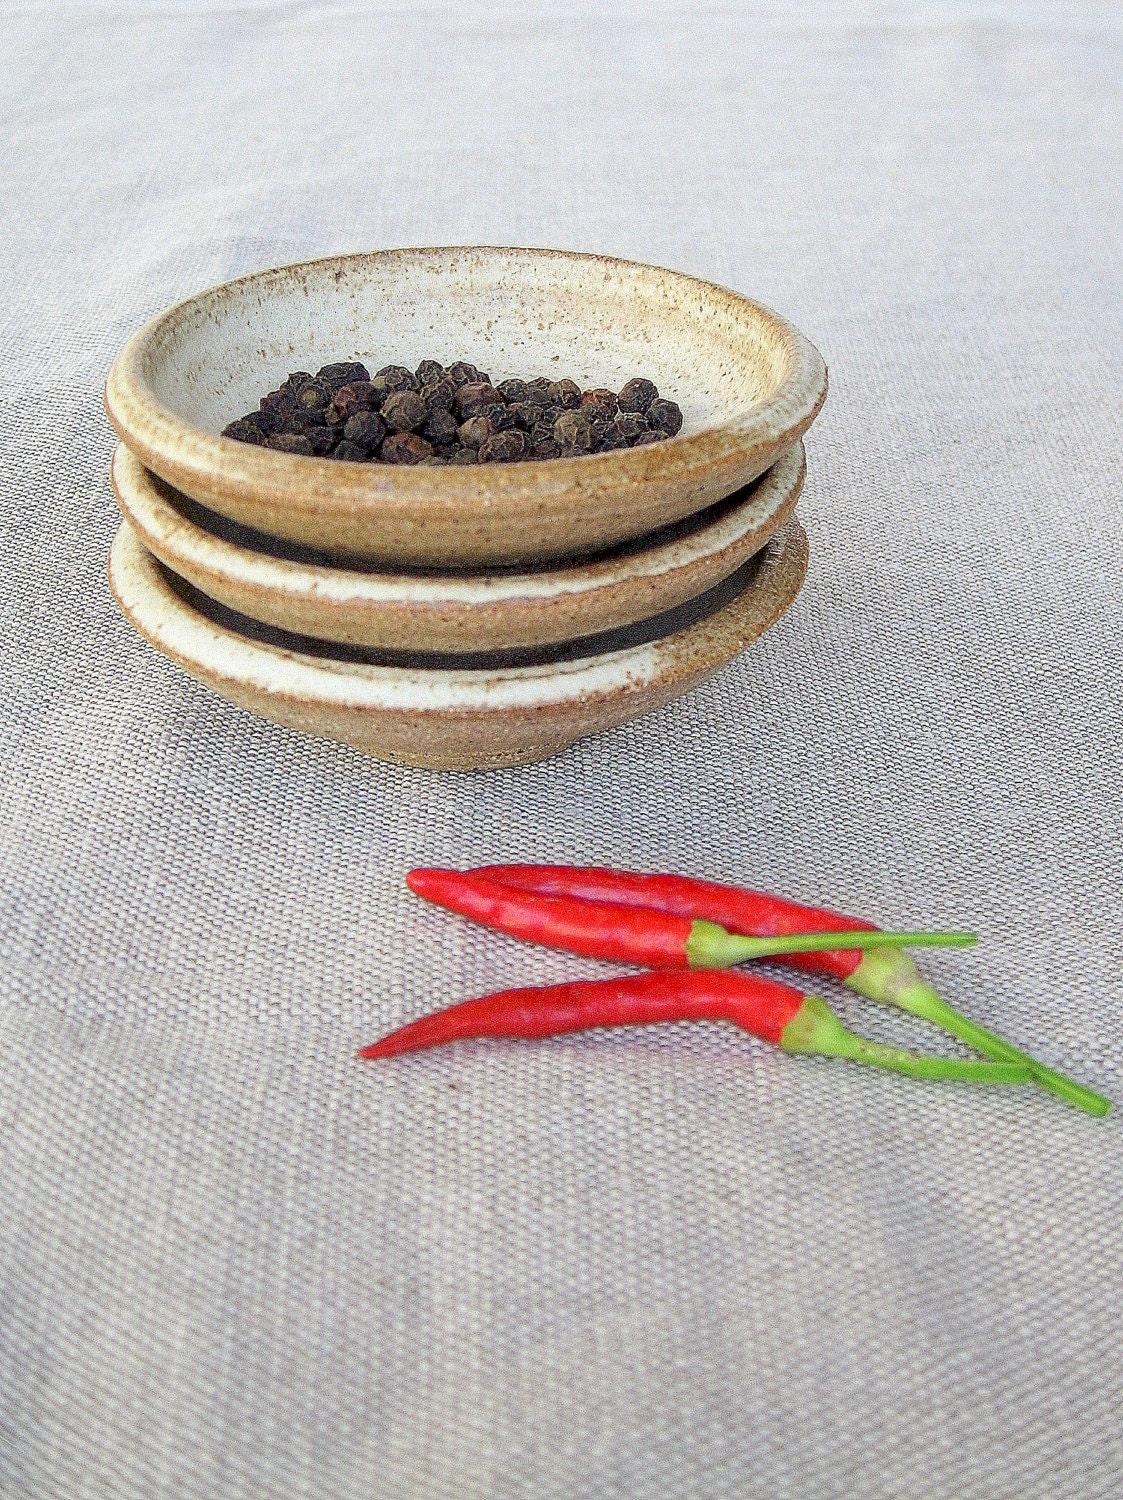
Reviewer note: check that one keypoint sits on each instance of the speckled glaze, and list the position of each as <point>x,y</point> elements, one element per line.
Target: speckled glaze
<point>450,612</point>
<point>748,382</point>
<point>451,719</point>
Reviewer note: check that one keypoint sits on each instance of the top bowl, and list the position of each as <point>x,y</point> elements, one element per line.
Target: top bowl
<point>748,383</point>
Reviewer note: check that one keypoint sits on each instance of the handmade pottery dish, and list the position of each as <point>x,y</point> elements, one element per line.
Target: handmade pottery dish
<point>438,712</point>
<point>284,585</point>
<point>749,385</point>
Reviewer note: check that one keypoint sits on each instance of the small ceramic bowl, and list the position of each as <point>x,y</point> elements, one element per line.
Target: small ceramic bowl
<point>749,385</point>
<point>423,712</point>
<point>287,586</point>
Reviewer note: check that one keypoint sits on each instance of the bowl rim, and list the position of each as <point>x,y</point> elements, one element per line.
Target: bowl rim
<point>198,461</point>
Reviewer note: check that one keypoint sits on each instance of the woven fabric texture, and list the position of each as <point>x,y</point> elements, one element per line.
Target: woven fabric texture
<point>235,1262</point>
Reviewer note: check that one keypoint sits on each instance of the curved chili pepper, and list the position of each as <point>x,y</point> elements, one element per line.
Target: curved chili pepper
<point>882,974</point>
<point>775,1012</point>
<point>631,934</point>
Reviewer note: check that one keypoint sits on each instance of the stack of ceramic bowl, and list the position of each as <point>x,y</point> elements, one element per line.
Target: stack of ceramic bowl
<point>461,616</point>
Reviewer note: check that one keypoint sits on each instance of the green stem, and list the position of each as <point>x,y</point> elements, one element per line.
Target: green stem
<point>712,947</point>
<point>816,1029</point>
<point>892,978</point>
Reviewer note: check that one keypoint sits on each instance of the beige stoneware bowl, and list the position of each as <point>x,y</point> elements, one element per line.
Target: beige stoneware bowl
<point>749,385</point>
<point>448,717</point>
<point>284,585</point>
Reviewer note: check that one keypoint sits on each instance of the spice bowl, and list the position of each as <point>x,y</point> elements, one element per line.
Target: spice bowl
<point>281,584</point>
<point>748,383</point>
<point>490,710</point>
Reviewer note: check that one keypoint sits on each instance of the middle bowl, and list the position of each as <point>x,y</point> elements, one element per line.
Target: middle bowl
<point>287,586</point>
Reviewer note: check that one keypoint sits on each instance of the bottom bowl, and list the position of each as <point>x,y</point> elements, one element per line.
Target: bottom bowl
<point>456,713</point>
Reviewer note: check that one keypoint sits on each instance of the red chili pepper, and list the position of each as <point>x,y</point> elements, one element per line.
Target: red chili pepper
<point>774,1012</point>
<point>751,912</point>
<point>631,934</point>
<point>883,974</point>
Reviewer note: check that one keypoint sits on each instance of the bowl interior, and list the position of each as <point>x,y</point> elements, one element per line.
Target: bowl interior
<point>512,313</point>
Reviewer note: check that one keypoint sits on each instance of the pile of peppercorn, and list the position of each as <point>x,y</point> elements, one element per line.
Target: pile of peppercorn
<point>450,416</point>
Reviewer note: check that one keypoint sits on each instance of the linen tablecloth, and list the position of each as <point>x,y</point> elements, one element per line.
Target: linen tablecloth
<point>233,1261</point>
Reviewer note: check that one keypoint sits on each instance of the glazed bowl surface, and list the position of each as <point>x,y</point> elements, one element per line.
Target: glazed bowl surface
<point>749,385</point>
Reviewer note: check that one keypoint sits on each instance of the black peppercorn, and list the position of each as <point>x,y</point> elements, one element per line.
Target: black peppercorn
<point>565,393</point>
<point>440,427</point>
<point>573,433</point>
<point>464,456</point>
<point>474,431</point>
<point>600,404</point>
<point>322,440</point>
<point>548,449</point>
<point>348,399</point>
<point>244,431</point>
<point>428,371</point>
<point>637,395</point>
<point>390,380</point>
<point>290,442</point>
<point>398,378</point>
<point>539,383</point>
<point>291,420</point>
<point>664,416</point>
<point>266,422</point>
<point>474,398</point>
<point>343,374</point>
<point>629,424</point>
<point>344,404</point>
<point>438,395</point>
<point>503,447</point>
<point>434,461</point>
<point>404,411</point>
<point>649,435</point>
<point>312,396</point>
<point>502,418</point>
<point>526,415</point>
<point>462,374</point>
<point>350,453</point>
<point>404,448</point>
<point>366,428</point>
<point>512,391</point>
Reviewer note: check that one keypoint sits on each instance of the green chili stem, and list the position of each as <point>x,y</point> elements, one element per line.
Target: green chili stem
<point>712,947</point>
<point>893,978</point>
<point>816,1029</point>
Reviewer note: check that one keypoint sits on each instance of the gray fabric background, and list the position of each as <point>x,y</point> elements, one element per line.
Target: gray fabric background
<point>233,1262</point>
